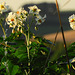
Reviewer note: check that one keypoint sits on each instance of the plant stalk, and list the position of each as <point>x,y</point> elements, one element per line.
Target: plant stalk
<point>3,30</point>
<point>51,48</point>
<point>63,36</point>
<point>5,45</point>
<point>27,40</point>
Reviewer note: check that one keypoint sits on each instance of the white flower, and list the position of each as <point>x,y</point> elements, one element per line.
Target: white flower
<point>40,19</point>
<point>22,14</point>
<point>20,23</point>
<point>34,9</point>
<point>72,60</point>
<point>72,21</point>
<point>72,25</point>
<point>3,7</point>
<point>72,18</point>
<point>12,20</point>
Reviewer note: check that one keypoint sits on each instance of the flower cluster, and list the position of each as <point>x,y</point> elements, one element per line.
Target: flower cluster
<point>40,19</point>
<point>17,19</point>
<point>34,10</point>
<point>3,7</point>
<point>72,21</point>
<point>22,14</point>
<point>11,19</point>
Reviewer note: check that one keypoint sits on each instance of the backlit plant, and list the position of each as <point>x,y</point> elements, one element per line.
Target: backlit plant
<point>29,56</point>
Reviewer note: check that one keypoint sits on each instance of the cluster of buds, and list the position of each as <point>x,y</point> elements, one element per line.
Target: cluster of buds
<point>72,21</point>
<point>17,19</point>
<point>35,11</point>
<point>3,7</point>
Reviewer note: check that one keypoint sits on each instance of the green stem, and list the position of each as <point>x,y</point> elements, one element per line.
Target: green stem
<point>7,70</point>
<point>26,72</point>
<point>28,51</point>
<point>5,38</point>
<point>3,30</point>
<point>27,40</point>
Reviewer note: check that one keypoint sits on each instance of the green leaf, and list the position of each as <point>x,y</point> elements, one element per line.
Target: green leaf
<point>10,66</point>
<point>2,63</point>
<point>15,70</point>
<point>33,44</point>
<point>20,51</point>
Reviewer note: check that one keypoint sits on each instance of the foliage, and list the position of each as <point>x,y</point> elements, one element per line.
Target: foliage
<point>29,56</point>
<point>17,56</point>
<point>39,49</point>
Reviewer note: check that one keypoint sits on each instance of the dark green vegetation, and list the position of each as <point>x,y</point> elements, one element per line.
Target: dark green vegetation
<point>39,57</point>
<point>17,58</point>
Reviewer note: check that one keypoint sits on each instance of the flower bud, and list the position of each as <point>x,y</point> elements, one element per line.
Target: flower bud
<point>36,28</point>
<point>13,30</point>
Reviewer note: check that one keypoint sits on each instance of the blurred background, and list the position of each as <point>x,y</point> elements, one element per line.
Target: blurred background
<point>49,28</point>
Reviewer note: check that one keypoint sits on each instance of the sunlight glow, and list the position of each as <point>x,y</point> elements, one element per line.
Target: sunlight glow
<point>65,5</point>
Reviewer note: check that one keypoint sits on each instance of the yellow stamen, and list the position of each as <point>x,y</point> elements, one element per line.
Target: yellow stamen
<point>40,21</point>
<point>17,12</point>
<point>12,19</point>
<point>34,10</point>
<point>2,6</point>
<point>72,20</point>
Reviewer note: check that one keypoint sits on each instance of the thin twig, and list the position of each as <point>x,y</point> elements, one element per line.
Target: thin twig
<point>7,46</point>
<point>51,48</point>
<point>63,37</point>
